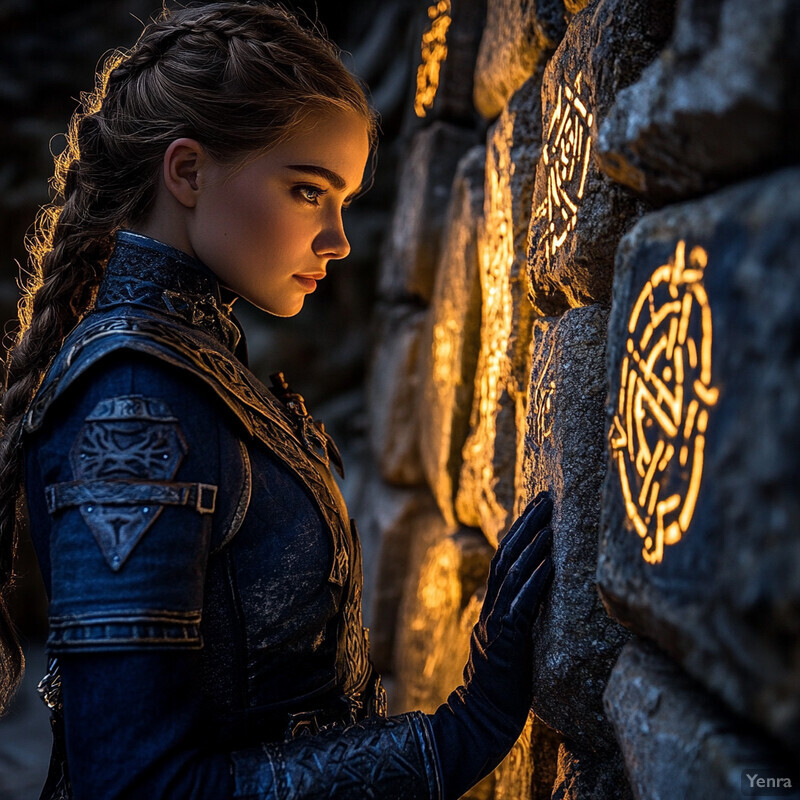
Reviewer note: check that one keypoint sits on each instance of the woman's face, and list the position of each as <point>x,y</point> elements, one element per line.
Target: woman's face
<point>269,229</point>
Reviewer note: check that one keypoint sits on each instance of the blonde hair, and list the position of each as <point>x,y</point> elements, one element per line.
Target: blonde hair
<point>238,77</point>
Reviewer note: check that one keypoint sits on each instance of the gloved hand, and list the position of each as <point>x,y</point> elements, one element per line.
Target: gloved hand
<point>482,719</point>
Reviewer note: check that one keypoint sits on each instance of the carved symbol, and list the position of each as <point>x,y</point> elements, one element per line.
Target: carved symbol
<point>542,421</point>
<point>434,52</point>
<point>566,157</point>
<point>658,433</point>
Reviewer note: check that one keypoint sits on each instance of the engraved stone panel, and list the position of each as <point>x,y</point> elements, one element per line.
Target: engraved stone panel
<point>491,474</point>
<point>408,264</point>
<point>437,615</point>
<point>576,643</point>
<point>579,214</point>
<point>677,740</point>
<point>452,337</point>
<point>398,518</point>
<point>516,42</point>
<point>393,388</point>
<point>698,546</point>
<point>720,103</point>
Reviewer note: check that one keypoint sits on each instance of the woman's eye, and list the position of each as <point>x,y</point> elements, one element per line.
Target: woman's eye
<point>311,194</point>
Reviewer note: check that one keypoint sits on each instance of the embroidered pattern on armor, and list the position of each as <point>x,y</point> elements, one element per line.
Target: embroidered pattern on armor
<point>124,439</point>
<point>264,418</point>
<point>388,758</point>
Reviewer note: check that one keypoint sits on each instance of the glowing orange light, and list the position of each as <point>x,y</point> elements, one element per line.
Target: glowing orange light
<point>434,52</point>
<point>566,158</point>
<point>542,405</point>
<point>665,393</point>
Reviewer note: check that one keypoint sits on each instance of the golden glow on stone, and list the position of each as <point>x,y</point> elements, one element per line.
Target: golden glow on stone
<point>542,399</point>
<point>659,430</point>
<point>565,155</point>
<point>434,52</point>
<point>496,255</point>
<point>445,350</point>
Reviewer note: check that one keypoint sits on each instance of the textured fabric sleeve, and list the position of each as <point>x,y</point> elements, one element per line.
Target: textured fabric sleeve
<point>391,759</point>
<point>129,477</point>
<point>122,484</point>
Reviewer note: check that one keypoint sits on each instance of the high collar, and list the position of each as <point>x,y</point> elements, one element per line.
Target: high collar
<point>147,273</point>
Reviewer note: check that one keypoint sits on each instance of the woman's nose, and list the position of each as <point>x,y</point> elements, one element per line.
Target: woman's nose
<point>331,242</point>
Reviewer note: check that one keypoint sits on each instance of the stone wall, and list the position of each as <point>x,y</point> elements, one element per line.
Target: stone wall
<point>591,287</point>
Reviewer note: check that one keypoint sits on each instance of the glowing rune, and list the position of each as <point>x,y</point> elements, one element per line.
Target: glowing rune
<point>434,52</point>
<point>658,433</point>
<point>566,158</point>
<point>542,403</point>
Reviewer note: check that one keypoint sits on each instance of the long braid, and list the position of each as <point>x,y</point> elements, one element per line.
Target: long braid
<point>71,241</point>
<point>238,78</point>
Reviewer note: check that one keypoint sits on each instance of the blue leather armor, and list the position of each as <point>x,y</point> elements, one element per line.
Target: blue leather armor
<point>199,560</point>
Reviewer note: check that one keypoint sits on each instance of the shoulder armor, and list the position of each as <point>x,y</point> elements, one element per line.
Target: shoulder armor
<point>262,416</point>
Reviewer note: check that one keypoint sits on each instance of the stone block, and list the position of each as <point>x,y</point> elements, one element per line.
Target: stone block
<point>576,643</point>
<point>578,213</point>
<point>517,40</point>
<point>398,518</point>
<point>514,774</point>
<point>452,337</point>
<point>437,615</point>
<point>408,263</point>
<point>572,7</point>
<point>719,104</point>
<point>679,742</point>
<point>529,770</point>
<point>698,545</point>
<point>583,776</point>
<point>448,51</point>
<point>491,473</point>
<point>393,393</point>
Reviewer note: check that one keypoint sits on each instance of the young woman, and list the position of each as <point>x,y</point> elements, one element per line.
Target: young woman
<point>203,575</point>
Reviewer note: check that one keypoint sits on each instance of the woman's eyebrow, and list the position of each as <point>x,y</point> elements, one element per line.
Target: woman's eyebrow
<point>335,180</point>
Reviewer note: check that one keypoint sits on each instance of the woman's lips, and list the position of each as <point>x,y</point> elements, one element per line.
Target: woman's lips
<point>309,284</point>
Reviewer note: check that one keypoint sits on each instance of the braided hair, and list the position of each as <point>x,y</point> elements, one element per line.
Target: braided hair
<point>238,77</point>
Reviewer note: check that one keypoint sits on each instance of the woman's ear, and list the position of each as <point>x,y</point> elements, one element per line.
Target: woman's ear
<point>183,159</point>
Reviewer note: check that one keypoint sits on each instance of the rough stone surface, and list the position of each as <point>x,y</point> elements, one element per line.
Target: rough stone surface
<point>574,6</point>
<point>517,39</point>
<point>449,48</point>
<point>678,742</point>
<point>408,264</point>
<point>491,474</point>
<point>544,751</point>
<point>576,643</point>
<point>437,616</point>
<point>399,518</point>
<point>514,774</point>
<point>583,776</point>
<point>720,103</point>
<point>529,770</point>
<point>703,371</point>
<point>393,389</point>
<point>579,214</point>
<point>453,337</point>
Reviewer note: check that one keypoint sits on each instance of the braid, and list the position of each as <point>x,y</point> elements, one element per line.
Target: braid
<point>71,241</point>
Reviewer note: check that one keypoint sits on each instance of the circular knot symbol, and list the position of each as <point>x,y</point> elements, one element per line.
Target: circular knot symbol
<point>658,433</point>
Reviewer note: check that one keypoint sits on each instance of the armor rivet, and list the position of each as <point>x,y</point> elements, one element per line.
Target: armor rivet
<point>165,456</point>
<point>89,509</point>
<point>146,510</point>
